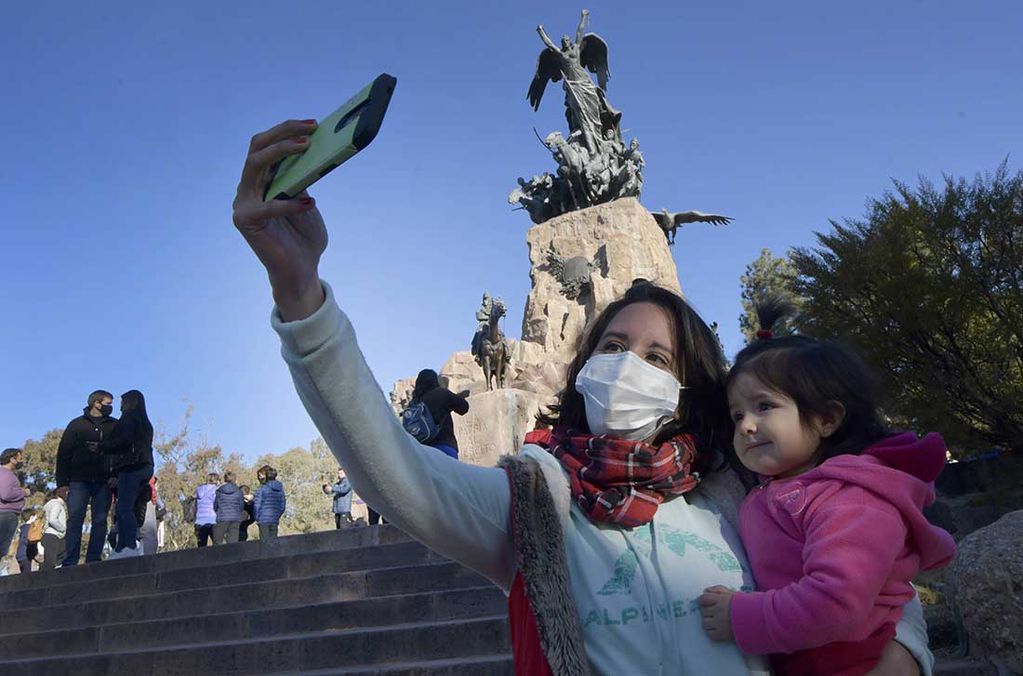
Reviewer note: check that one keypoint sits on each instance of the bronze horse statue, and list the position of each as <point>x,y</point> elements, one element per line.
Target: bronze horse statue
<point>489,346</point>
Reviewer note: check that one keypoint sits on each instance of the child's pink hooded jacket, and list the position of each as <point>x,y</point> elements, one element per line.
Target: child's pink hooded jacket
<point>833,550</point>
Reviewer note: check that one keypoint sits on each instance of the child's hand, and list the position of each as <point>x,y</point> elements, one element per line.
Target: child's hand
<point>716,608</point>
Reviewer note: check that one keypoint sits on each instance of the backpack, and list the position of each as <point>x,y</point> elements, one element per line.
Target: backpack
<point>35,530</point>
<point>189,508</point>
<point>418,421</point>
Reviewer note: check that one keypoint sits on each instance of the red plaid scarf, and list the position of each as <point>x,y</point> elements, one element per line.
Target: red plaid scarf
<point>623,482</point>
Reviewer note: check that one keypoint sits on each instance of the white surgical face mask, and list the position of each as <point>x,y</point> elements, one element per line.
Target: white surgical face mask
<point>626,396</point>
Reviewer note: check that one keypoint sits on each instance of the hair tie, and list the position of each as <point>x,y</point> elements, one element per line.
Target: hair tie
<point>765,334</point>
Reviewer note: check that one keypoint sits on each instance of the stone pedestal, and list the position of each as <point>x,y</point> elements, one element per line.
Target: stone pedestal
<point>495,425</point>
<point>623,237</point>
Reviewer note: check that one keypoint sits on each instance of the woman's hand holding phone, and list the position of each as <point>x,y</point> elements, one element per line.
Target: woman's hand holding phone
<point>288,236</point>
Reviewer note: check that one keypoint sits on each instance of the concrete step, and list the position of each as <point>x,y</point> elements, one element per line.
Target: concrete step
<point>964,666</point>
<point>353,649</point>
<point>497,665</point>
<point>469,603</point>
<point>246,596</point>
<point>147,584</point>
<point>352,538</point>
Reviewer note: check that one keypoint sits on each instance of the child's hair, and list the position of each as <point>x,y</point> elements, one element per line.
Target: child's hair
<point>700,364</point>
<point>228,477</point>
<point>244,488</point>
<point>266,473</point>
<point>212,478</point>
<point>814,373</point>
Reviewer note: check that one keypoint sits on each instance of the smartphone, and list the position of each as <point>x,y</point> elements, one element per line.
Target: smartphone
<point>338,137</point>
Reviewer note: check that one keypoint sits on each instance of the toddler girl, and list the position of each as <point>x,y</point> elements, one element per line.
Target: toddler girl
<point>835,531</point>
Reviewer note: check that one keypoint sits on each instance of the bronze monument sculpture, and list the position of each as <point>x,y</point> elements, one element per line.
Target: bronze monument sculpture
<point>575,273</point>
<point>670,221</point>
<point>489,347</point>
<point>594,164</point>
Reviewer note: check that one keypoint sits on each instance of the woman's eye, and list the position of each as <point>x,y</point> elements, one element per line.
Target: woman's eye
<point>765,406</point>
<point>736,417</point>
<point>657,359</point>
<point>612,347</point>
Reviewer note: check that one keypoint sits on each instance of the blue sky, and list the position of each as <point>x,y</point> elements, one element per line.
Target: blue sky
<point>125,128</point>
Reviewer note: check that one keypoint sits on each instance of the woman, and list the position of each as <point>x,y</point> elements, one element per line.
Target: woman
<point>205,510</point>
<point>441,403</point>
<point>587,594</point>
<point>132,439</point>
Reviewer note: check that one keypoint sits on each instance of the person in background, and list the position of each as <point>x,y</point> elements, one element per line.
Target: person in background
<point>82,477</point>
<point>269,502</point>
<point>28,547</point>
<point>249,517</point>
<point>342,494</point>
<point>12,501</point>
<point>441,402</point>
<point>55,513</point>
<point>229,505</point>
<point>154,511</point>
<point>132,441</point>
<point>205,514</point>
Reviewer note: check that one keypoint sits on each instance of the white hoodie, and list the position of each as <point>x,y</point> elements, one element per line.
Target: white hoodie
<point>55,512</point>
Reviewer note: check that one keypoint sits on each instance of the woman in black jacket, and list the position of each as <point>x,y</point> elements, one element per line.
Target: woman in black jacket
<point>132,443</point>
<point>441,402</point>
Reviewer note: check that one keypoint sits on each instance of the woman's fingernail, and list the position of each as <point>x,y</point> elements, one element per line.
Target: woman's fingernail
<point>306,201</point>
<point>308,121</point>
<point>300,139</point>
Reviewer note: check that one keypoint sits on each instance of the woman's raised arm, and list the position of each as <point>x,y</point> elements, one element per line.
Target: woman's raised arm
<point>459,510</point>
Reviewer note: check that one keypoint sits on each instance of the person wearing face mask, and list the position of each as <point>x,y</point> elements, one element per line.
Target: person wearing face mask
<point>82,477</point>
<point>605,538</point>
<point>131,443</point>
<point>12,502</point>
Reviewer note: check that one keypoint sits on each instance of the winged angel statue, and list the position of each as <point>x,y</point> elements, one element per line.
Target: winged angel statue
<point>594,164</point>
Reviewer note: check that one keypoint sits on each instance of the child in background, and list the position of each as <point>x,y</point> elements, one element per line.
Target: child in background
<point>55,513</point>
<point>249,517</point>
<point>29,536</point>
<point>269,502</point>
<point>835,531</point>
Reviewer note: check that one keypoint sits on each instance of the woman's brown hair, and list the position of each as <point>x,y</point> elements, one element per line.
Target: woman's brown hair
<point>700,365</point>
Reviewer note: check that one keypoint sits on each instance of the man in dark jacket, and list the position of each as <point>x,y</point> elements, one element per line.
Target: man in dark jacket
<point>229,504</point>
<point>82,477</point>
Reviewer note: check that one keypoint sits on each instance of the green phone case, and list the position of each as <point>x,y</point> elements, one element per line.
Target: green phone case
<point>342,134</point>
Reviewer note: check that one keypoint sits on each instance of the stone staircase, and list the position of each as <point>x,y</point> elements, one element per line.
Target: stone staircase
<point>352,602</point>
<point>355,602</point>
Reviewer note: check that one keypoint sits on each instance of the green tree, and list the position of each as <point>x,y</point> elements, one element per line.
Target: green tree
<point>184,462</point>
<point>768,275</point>
<point>40,457</point>
<point>929,286</point>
